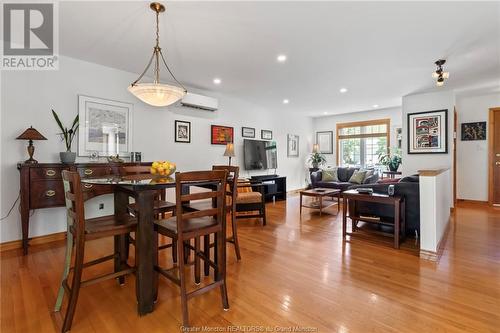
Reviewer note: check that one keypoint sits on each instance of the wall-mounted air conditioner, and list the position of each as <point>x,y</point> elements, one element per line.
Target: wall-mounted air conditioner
<point>200,102</point>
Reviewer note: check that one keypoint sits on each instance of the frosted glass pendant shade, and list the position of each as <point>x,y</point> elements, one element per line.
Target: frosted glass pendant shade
<point>157,94</point>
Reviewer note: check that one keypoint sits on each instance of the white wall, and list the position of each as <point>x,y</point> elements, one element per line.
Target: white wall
<point>472,156</point>
<point>329,123</point>
<point>28,97</point>
<point>420,103</point>
<point>435,199</point>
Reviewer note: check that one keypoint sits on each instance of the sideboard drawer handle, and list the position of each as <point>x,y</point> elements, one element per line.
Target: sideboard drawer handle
<point>87,185</point>
<point>88,172</point>
<point>50,193</point>
<point>50,173</point>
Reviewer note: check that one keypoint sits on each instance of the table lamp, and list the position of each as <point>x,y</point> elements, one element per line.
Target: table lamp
<point>229,151</point>
<point>31,134</point>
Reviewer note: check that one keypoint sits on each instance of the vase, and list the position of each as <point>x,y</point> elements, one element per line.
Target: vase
<point>393,167</point>
<point>67,157</point>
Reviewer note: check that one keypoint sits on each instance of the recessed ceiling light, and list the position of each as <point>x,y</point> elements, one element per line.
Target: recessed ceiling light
<point>285,101</point>
<point>325,112</point>
<point>375,105</point>
<point>281,58</point>
<point>217,80</point>
<point>343,90</point>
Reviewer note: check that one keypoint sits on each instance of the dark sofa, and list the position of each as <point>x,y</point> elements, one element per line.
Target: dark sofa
<point>344,174</point>
<point>407,187</point>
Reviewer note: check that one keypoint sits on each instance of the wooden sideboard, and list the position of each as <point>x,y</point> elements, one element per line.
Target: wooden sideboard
<point>42,186</point>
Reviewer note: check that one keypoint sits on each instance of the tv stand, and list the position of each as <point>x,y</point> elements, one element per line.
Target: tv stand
<point>274,186</point>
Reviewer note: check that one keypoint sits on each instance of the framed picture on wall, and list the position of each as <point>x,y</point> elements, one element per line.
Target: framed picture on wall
<point>105,127</point>
<point>182,131</point>
<point>248,132</point>
<point>325,142</point>
<point>292,145</point>
<point>266,134</point>
<point>428,132</point>
<point>474,131</point>
<point>221,135</point>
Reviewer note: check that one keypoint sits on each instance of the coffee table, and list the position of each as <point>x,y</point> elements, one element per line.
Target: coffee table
<point>325,198</point>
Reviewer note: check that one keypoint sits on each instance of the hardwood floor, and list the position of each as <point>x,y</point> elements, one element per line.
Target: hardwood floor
<point>294,272</point>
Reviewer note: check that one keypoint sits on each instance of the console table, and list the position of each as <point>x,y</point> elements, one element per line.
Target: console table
<point>42,187</point>
<point>351,197</point>
<point>274,186</point>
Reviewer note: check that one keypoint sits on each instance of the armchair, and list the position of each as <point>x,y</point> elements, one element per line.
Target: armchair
<point>251,198</point>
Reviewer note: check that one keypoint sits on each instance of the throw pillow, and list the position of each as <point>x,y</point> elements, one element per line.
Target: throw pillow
<point>330,175</point>
<point>368,174</point>
<point>358,177</point>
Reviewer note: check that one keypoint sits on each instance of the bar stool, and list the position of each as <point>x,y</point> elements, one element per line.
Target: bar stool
<point>81,230</point>
<point>189,224</point>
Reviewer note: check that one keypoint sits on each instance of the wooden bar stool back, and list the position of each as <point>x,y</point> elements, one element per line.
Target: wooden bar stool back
<point>81,230</point>
<point>161,206</point>
<point>231,195</point>
<point>189,224</point>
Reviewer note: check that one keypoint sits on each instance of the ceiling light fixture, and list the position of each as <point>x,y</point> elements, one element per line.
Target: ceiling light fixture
<point>285,101</point>
<point>343,90</point>
<point>217,80</point>
<point>375,105</point>
<point>156,93</point>
<point>440,74</point>
<point>281,58</point>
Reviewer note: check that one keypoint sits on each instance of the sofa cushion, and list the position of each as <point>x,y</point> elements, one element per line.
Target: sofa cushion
<point>330,175</point>
<point>344,173</point>
<point>368,174</point>
<point>336,185</point>
<point>358,177</point>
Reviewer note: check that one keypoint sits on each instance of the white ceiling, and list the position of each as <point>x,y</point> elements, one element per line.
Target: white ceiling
<point>380,51</point>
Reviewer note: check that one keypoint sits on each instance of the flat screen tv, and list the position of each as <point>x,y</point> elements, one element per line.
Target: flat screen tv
<point>259,154</point>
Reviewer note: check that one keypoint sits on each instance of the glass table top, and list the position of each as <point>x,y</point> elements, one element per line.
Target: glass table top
<point>141,180</point>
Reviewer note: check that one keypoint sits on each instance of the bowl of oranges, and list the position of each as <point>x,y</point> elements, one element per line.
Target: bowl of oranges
<point>162,168</point>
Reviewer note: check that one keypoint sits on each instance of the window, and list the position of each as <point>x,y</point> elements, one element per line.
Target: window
<point>360,143</point>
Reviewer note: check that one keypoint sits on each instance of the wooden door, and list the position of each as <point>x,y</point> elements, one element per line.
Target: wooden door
<point>494,159</point>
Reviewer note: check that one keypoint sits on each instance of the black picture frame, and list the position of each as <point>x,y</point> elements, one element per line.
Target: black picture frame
<point>177,138</point>
<point>247,135</point>
<point>329,135</point>
<point>411,132</point>
<point>266,134</point>
<point>475,131</point>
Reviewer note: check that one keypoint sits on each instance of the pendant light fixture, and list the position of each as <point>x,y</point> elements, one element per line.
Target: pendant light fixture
<point>440,74</point>
<point>156,93</point>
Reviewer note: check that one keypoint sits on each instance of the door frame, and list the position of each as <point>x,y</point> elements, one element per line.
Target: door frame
<point>455,135</point>
<point>491,133</point>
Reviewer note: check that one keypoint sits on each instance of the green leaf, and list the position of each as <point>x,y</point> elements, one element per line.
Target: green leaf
<point>75,122</point>
<point>56,117</point>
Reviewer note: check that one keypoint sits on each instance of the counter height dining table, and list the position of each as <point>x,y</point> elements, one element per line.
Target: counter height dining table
<point>143,189</point>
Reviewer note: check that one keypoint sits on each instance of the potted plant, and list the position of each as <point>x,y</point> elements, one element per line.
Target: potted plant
<point>67,135</point>
<point>391,160</point>
<point>316,159</point>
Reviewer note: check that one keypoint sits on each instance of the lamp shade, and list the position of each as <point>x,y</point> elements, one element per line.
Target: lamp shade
<point>31,134</point>
<point>229,150</point>
<point>315,148</point>
<point>157,94</point>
